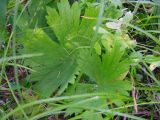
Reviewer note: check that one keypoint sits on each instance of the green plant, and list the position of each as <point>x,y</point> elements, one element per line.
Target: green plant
<point>80,61</point>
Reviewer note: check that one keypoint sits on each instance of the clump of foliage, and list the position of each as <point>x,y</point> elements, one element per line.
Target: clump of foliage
<point>79,60</point>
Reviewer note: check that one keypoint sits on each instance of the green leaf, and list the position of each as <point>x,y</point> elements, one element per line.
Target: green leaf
<point>66,24</point>
<point>56,68</point>
<point>108,71</point>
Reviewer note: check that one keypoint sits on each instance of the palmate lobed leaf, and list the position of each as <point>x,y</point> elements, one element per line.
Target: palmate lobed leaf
<point>108,71</point>
<point>54,69</point>
<point>66,24</point>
